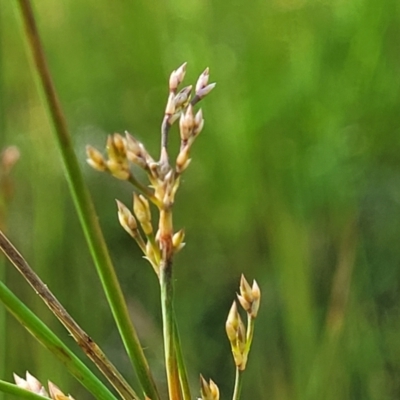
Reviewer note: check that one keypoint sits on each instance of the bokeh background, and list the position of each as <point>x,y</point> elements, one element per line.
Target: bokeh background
<point>295,181</point>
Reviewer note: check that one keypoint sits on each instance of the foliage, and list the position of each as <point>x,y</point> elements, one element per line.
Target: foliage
<point>296,183</point>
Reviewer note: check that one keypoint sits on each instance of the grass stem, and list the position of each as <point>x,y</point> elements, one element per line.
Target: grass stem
<point>166,284</point>
<point>238,384</point>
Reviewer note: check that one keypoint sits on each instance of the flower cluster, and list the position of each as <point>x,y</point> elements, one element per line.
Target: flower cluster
<point>163,178</point>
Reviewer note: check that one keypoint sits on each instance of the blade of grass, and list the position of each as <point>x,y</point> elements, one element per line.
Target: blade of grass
<point>48,339</point>
<point>85,208</point>
<point>90,348</point>
<point>12,389</point>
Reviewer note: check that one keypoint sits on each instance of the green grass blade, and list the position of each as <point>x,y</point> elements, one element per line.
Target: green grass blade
<point>14,390</point>
<point>48,339</point>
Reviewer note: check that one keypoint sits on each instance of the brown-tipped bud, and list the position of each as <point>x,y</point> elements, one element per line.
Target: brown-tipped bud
<point>95,159</point>
<point>170,107</point>
<point>257,298</point>
<point>133,144</point>
<point>249,297</point>
<point>232,323</point>
<point>245,289</point>
<point>141,208</point>
<point>118,169</point>
<point>236,332</point>
<point>31,384</point>
<point>183,160</point>
<point>8,158</point>
<point>57,394</point>
<point>177,77</point>
<point>178,240</point>
<point>209,390</point>
<point>204,91</point>
<point>203,80</point>
<point>119,145</point>
<point>126,219</point>
<point>214,390</point>
<point>182,98</point>
<point>111,150</point>
<point>198,123</point>
<point>136,152</point>
<point>186,124</point>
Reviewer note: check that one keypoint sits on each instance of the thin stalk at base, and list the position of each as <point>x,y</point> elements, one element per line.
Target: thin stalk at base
<point>238,384</point>
<point>168,330</point>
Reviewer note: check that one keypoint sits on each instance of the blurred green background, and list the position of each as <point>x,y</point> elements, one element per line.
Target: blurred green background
<point>295,181</point>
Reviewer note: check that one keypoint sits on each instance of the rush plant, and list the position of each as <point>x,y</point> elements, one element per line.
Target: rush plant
<point>149,221</point>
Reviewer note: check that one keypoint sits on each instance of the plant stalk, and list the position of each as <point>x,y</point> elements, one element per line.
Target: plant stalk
<point>167,306</point>
<point>238,384</point>
<point>85,208</point>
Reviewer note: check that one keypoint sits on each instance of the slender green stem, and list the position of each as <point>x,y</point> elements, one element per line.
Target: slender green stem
<point>166,284</point>
<point>86,343</point>
<point>85,208</point>
<point>48,339</point>
<point>249,334</point>
<point>12,389</point>
<point>183,379</point>
<point>238,384</point>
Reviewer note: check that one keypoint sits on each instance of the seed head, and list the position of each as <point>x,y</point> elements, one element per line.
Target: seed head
<point>126,219</point>
<point>204,91</point>
<point>177,77</point>
<point>249,297</point>
<point>203,80</point>
<point>31,384</point>
<point>118,169</point>
<point>182,98</point>
<point>209,390</point>
<point>198,123</point>
<point>95,159</point>
<point>57,394</point>
<point>183,160</point>
<point>186,124</point>
<point>178,240</point>
<point>141,208</point>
